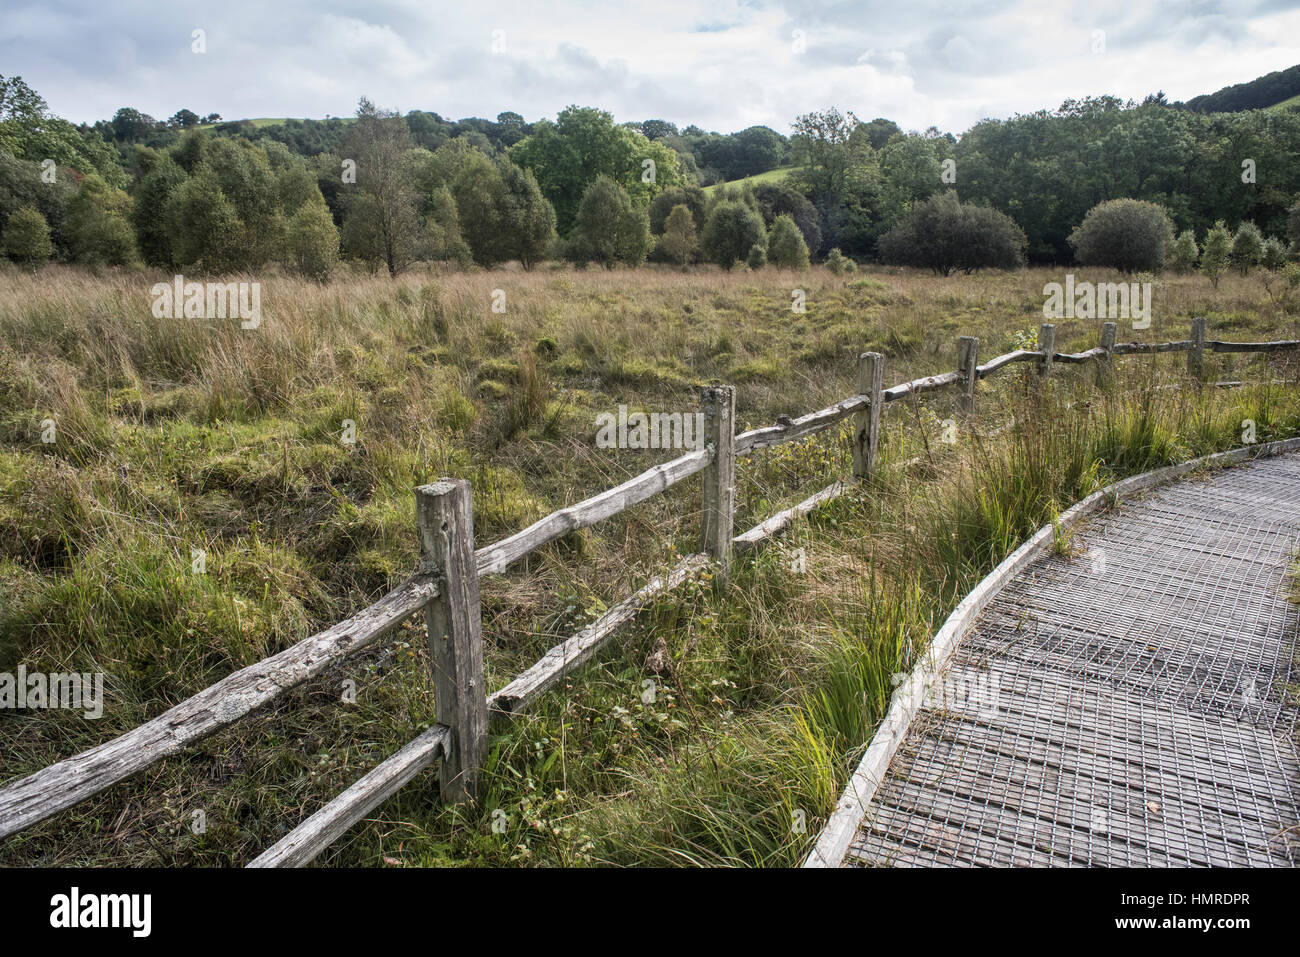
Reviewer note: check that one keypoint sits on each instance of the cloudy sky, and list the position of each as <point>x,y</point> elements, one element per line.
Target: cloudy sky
<point>722,64</point>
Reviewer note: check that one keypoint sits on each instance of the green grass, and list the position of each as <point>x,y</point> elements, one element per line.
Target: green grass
<point>175,435</point>
<point>769,176</point>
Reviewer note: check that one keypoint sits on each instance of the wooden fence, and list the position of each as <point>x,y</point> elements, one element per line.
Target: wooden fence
<point>446,589</point>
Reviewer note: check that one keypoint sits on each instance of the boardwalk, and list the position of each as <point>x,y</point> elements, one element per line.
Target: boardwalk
<point>1135,704</point>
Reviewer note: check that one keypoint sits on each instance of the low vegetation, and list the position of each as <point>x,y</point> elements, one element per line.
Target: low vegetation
<point>720,726</point>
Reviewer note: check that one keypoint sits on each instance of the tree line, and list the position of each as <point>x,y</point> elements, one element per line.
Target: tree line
<point>388,190</point>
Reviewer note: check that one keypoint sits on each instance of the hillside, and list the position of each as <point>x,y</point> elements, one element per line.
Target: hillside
<point>1274,89</point>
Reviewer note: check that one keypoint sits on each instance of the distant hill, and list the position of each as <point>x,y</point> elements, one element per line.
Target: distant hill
<point>1276,89</point>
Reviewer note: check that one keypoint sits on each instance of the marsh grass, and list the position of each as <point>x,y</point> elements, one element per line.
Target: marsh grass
<point>182,435</point>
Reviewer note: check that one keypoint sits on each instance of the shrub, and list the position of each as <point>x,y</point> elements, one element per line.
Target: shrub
<point>1247,247</point>
<point>26,237</point>
<point>785,245</point>
<point>609,228</point>
<point>1126,234</point>
<point>757,257</point>
<point>731,231</point>
<point>311,241</point>
<point>1215,253</point>
<point>679,242</point>
<point>1182,255</point>
<point>943,234</point>
<point>838,263</point>
<point>1273,256</point>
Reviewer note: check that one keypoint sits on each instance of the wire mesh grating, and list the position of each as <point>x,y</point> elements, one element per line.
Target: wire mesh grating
<point>1134,704</point>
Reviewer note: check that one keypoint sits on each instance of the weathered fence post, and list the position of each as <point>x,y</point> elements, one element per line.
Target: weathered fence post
<point>1046,345</point>
<point>866,423</point>
<point>1196,357</point>
<point>1106,365</point>
<point>967,360</point>
<point>444,517</point>
<point>720,476</point>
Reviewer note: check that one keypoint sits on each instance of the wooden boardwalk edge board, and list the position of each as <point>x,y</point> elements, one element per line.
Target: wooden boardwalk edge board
<point>844,822</point>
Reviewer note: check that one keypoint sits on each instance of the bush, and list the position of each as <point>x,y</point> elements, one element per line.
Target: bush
<point>838,263</point>
<point>609,228</point>
<point>679,242</point>
<point>1273,256</point>
<point>1247,247</point>
<point>26,237</point>
<point>785,245</point>
<point>731,231</point>
<point>1182,255</point>
<point>757,257</point>
<point>96,225</point>
<point>943,234</point>
<point>311,241</point>
<point>1126,234</point>
<point>1215,253</point>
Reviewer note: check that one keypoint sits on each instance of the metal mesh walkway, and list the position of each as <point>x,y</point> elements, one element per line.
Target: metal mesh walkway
<point>1134,704</point>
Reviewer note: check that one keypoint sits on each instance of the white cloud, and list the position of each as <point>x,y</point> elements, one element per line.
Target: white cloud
<point>722,64</point>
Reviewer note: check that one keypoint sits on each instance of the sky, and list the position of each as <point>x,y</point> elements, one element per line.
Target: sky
<point>719,64</point>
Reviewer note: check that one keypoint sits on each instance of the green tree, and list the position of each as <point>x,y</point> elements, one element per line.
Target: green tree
<point>1273,255</point>
<point>384,202</point>
<point>528,218</point>
<point>944,235</point>
<point>97,225</point>
<point>785,246</point>
<point>679,241</point>
<point>731,230</point>
<point>583,143</point>
<point>1183,253</point>
<point>1247,247</point>
<point>149,211</point>
<point>1126,234</point>
<point>26,237</point>
<point>692,197</point>
<point>311,239</point>
<point>757,257</point>
<point>1215,253</point>
<point>203,225</point>
<point>609,228</point>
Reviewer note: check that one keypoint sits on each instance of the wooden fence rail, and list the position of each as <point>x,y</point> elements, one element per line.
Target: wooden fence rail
<point>446,590</point>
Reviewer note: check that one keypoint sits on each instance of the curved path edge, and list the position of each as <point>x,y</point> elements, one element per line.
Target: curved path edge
<point>837,835</point>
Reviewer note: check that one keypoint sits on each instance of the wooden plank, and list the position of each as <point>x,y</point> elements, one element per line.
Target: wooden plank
<point>445,522</point>
<point>800,428</point>
<point>1147,348</point>
<point>993,365</point>
<point>866,422</point>
<point>967,363</point>
<point>1047,348</point>
<point>1196,355</point>
<point>1216,346</point>
<point>924,384</point>
<point>720,477</point>
<point>520,694</point>
<point>1087,355</point>
<point>781,521</point>
<point>71,781</point>
<point>1106,367</point>
<point>493,559</point>
<point>301,845</point>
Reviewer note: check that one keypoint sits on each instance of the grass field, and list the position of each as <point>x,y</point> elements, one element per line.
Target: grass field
<point>174,435</point>
<point>768,176</point>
